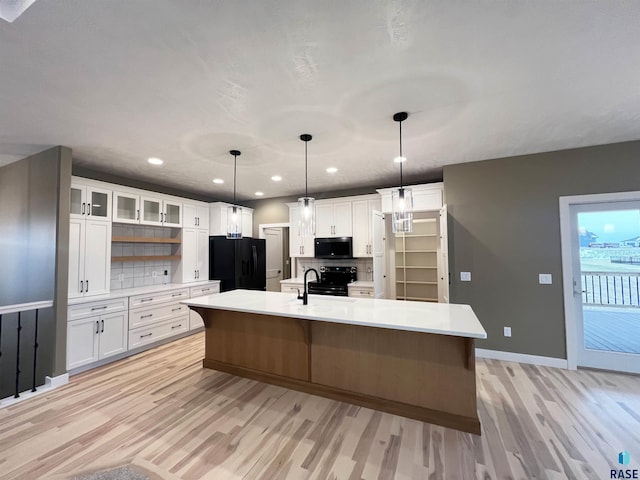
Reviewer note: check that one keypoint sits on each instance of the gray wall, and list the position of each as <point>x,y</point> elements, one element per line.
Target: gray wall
<point>504,227</point>
<point>32,223</point>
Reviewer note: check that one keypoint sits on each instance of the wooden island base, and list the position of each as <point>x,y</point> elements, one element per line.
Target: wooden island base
<point>429,377</point>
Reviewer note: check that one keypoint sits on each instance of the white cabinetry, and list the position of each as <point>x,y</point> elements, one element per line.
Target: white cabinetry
<point>195,320</point>
<point>126,207</point>
<point>157,316</point>
<point>218,219</point>
<point>90,201</point>
<point>426,197</point>
<point>299,246</point>
<point>95,331</point>
<point>362,291</point>
<point>136,206</point>
<point>89,239</point>
<point>195,255</point>
<point>333,218</point>
<point>363,225</point>
<point>195,215</point>
<point>291,287</point>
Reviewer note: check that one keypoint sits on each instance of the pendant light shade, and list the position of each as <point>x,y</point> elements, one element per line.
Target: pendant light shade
<point>401,199</point>
<point>234,212</point>
<point>306,204</point>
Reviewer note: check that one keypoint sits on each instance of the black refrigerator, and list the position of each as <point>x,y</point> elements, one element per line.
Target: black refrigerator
<point>238,263</point>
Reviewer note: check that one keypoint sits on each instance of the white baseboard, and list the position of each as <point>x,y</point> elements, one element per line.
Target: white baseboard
<point>50,383</point>
<point>522,358</point>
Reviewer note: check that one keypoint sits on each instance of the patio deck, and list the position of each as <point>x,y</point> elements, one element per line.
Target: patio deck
<point>612,329</point>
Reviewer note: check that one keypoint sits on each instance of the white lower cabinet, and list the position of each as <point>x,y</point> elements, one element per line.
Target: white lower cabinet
<point>362,292</point>
<point>159,331</point>
<point>291,288</point>
<point>95,338</point>
<point>195,320</point>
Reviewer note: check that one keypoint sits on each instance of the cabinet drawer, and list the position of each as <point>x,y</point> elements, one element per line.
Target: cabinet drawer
<point>291,288</point>
<point>140,317</point>
<point>158,297</point>
<point>146,335</point>
<point>204,290</point>
<point>361,292</point>
<point>81,310</point>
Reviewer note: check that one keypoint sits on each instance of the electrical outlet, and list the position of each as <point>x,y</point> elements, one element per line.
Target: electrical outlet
<point>507,331</point>
<point>121,277</point>
<point>545,279</point>
<point>166,272</point>
<point>465,276</point>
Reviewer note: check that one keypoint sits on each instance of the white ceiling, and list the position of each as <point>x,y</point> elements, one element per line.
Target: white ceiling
<point>119,81</point>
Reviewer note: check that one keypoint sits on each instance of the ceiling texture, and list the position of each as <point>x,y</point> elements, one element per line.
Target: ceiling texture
<point>119,81</point>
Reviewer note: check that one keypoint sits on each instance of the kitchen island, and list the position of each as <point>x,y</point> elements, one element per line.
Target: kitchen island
<point>412,359</point>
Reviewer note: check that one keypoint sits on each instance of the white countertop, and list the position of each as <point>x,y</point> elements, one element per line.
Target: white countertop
<point>299,280</point>
<point>439,318</point>
<point>128,292</point>
<point>361,284</point>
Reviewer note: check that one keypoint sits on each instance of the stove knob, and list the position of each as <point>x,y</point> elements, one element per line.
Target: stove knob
<point>322,268</point>
<point>354,269</point>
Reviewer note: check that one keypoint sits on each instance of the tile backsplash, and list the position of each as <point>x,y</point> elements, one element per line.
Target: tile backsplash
<point>364,266</point>
<point>142,273</point>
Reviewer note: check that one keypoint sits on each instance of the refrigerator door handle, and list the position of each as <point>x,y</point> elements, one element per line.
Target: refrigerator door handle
<point>255,258</point>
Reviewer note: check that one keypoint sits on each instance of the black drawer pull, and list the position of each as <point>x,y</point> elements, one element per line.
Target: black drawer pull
<point>176,326</point>
<point>146,300</point>
<point>176,295</point>
<point>147,316</point>
<point>176,309</point>
<point>146,335</point>
<point>99,308</point>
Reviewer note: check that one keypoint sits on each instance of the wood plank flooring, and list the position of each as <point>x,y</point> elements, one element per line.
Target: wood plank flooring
<point>162,409</point>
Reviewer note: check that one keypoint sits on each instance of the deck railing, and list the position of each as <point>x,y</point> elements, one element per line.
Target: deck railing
<point>607,288</point>
<point>13,317</point>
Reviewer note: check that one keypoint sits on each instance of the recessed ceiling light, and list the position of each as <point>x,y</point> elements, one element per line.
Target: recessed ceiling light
<point>155,161</point>
<point>276,178</point>
<point>218,180</point>
<point>259,194</point>
<point>400,159</point>
<point>332,170</point>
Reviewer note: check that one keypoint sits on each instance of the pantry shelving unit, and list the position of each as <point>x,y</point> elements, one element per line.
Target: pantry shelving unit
<point>416,266</point>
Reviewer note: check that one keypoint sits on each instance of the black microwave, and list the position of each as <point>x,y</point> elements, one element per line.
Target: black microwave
<point>339,247</point>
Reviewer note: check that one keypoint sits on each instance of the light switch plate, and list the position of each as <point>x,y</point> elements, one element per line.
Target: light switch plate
<point>465,276</point>
<point>545,279</point>
<point>507,331</point>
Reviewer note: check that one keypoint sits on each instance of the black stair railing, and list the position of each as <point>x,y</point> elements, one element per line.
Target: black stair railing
<point>26,312</point>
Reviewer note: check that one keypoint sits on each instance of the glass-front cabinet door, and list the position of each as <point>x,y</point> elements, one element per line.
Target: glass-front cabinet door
<point>151,211</point>
<point>99,203</point>
<point>172,214</point>
<point>88,201</point>
<point>126,207</point>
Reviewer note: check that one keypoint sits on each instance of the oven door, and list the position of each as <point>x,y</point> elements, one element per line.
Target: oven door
<point>325,289</point>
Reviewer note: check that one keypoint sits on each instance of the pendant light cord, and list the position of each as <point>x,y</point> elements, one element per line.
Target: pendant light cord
<point>401,162</point>
<point>306,180</point>
<point>235,166</point>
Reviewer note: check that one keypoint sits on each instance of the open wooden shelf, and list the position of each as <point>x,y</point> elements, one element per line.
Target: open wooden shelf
<point>146,240</point>
<point>145,258</point>
<point>416,282</point>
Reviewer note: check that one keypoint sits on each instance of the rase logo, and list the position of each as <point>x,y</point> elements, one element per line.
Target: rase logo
<point>624,459</point>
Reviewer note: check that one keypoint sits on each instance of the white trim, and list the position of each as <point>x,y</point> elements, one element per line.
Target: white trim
<point>50,383</point>
<point>522,358</point>
<point>262,226</point>
<point>565,204</point>
<point>25,307</point>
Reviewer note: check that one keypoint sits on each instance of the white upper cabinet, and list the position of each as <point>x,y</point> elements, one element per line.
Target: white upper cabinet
<point>299,246</point>
<point>333,218</point>
<point>89,257</point>
<point>160,211</point>
<point>363,225</point>
<point>218,219</point>
<point>426,198</point>
<point>89,201</point>
<point>195,255</point>
<point>126,207</point>
<point>195,215</point>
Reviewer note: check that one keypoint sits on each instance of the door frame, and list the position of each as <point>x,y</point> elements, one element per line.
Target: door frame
<point>567,262</point>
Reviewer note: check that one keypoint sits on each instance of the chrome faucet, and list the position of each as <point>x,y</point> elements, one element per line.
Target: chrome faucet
<point>305,295</point>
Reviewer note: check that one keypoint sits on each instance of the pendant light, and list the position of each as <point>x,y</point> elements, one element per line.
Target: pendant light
<point>401,199</point>
<point>307,223</point>
<point>234,212</point>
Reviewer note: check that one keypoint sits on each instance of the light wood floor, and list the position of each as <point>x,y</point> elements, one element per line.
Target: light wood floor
<point>161,407</point>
